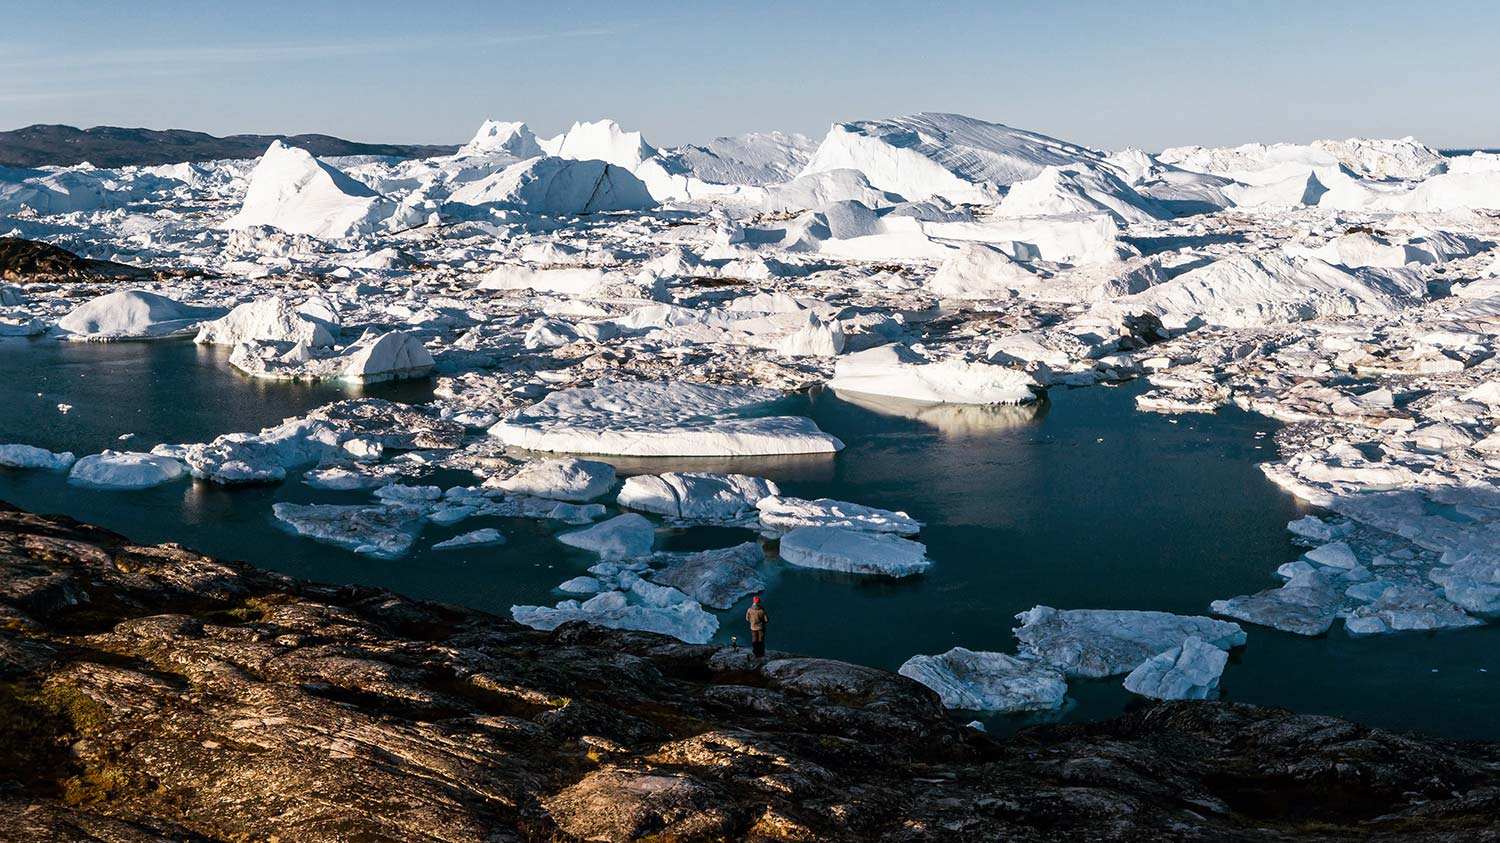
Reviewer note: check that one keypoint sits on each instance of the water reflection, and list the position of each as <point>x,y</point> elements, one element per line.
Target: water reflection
<point>953,421</point>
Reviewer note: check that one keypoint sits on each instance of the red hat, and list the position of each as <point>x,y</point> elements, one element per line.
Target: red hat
<point>755,599</point>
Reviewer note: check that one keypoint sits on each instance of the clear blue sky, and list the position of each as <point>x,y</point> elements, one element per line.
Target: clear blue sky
<point>1107,74</point>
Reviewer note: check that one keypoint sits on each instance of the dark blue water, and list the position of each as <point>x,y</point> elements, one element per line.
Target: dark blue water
<point>1080,503</point>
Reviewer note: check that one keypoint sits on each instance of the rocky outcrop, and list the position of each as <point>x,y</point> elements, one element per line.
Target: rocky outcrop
<point>32,261</point>
<point>151,691</point>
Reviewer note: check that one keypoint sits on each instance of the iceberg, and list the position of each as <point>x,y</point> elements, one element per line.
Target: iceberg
<point>557,186</point>
<point>501,138</point>
<point>661,419</point>
<point>1094,643</point>
<point>980,271</point>
<point>567,479</point>
<point>270,318</point>
<point>383,531</point>
<point>132,315</point>
<point>900,372</point>
<point>476,538</point>
<point>686,621</point>
<point>1189,671</point>
<point>779,514</point>
<point>975,681</point>
<point>696,496</point>
<point>853,551</point>
<point>957,158</point>
<point>1079,189</point>
<point>124,470</point>
<point>374,357</point>
<point>30,456</point>
<point>295,192</point>
<point>1305,605</point>
<point>627,536</point>
<point>718,578</point>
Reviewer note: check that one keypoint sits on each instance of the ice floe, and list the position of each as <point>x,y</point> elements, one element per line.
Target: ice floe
<point>1105,642</point>
<point>978,681</point>
<point>661,419</point>
<point>853,551</point>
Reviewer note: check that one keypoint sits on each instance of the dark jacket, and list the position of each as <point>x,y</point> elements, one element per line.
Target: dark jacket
<point>756,617</point>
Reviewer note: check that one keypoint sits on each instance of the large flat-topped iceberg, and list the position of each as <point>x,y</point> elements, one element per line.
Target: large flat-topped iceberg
<point>661,419</point>
<point>958,158</point>
<point>900,372</point>
<point>295,192</point>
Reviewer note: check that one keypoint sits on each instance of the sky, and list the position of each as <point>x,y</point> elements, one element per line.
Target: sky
<point>1104,74</point>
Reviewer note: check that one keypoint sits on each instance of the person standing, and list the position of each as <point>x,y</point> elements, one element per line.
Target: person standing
<point>756,616</point>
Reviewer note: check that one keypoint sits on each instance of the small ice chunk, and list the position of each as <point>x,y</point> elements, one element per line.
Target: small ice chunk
<point>125,470</point>
<point>1334,555</point>
<point>1095,643</point>
<point>622,537</point>
<point>399,493</point>
<point>853,551</point>
<point>978,681</point>
<point>566,479</point>
<point>1189,671</point>
<point>30,456</point>
<point>476,538</point>
<point>1316,529</point>
<point>581,585</point>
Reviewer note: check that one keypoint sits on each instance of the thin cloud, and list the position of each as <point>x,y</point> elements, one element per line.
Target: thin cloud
<point>284,52</point>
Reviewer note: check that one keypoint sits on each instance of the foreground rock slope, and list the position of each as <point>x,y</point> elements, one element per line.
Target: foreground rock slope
<point>150,692</point>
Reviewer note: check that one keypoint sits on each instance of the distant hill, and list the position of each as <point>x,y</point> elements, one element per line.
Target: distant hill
<point>113,146</point>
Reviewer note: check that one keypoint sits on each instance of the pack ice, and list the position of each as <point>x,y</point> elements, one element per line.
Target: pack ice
<point>596,293</point>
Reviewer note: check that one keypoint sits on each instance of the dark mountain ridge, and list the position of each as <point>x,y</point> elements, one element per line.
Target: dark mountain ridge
<point>116,146</point>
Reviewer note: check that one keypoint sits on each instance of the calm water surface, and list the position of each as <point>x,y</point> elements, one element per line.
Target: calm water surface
<point>1080,503</point>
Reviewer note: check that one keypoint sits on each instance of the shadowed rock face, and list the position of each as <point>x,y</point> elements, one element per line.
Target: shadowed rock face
<point>31,261</point>
<point>149,691</point>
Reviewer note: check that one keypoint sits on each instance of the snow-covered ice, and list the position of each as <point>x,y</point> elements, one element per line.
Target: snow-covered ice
<point>132,315</point>
<point>124,470</point>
